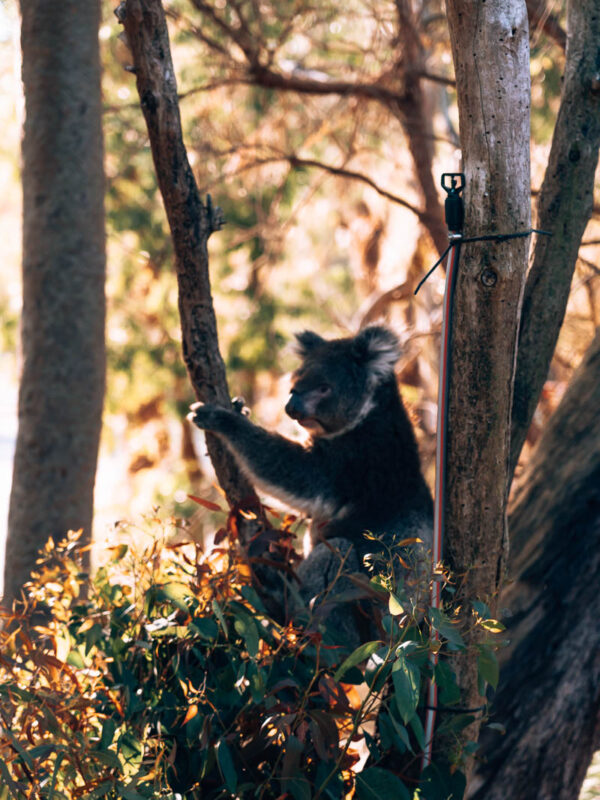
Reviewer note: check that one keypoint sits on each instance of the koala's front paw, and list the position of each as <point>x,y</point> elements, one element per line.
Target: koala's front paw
<point>204,415</point>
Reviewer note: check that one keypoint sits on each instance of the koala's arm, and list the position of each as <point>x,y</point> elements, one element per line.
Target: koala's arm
<point>277,465</point>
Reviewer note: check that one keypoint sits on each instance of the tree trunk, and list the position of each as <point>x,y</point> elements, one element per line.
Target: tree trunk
<point>191,223</point>
<point>62,385</point>
<point>490,43</point>
<point>564,208</point>
<point>549,693</point>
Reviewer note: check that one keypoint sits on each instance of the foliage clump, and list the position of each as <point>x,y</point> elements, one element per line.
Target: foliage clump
<point>163,676</point>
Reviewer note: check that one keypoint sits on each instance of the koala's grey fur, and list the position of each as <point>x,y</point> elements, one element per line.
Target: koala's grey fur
<point>360,471</point>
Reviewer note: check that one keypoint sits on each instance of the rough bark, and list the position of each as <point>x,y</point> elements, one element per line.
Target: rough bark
<point>549,693</point>
<point>564,208</point>
<point>62,384</point>
<point>191,223</point>
<point>490,44</point>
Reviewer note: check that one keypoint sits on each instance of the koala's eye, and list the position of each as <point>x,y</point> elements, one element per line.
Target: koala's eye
<point>323,390</point>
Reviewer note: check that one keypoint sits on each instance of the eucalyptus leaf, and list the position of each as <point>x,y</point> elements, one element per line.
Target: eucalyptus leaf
<point>376,783</point>
<point>360,654</point>
<point>407,680</point>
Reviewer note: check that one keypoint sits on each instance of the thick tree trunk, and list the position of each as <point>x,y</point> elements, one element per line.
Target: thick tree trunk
<point>490,43</point>
<point>62,385</point>
<point>564,208</point>
<point>190,221</point>
<point>549,693</point>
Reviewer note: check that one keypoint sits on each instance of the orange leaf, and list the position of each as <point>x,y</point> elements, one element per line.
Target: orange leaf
<point>206,503</point>
<point>191,713</point>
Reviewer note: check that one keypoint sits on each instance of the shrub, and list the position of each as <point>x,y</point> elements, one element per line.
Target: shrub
<point>163,676</point>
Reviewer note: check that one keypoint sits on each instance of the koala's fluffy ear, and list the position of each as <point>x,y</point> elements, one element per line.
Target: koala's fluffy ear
<point>380,347</point>
<point>306,342</point>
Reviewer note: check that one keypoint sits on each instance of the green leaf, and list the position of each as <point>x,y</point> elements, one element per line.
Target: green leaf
<point>376,783</point>
<point>487,666</point>
<point>119,552</point>
<point>438,783</point>
<point>492,625</point>
<point>446,628</point>
<point>109,726</point>
<point>41,751</point>
<point>402,733</point>
<point>407,680</point>
<point>395,606</point>
<point>481,608</point>
<point>75,659</point>
<point>446,681</point>
<point>299,788</point>
<point>99,791</point>
<point>128,793</point>
<point>360,654</point>
<point>130,748</point>
<point>250,594</point>
<point>246,627</point>
<point>176,594</point>
<point>221,617</point>
<point>226,765</point>
<point>59,759</point>
<point>206,627</point>
<point>417,729</point>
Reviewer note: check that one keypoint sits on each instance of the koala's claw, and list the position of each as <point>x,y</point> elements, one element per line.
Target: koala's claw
<point>239,406</point>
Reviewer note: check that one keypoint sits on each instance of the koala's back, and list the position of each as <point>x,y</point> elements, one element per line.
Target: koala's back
<point>376,474</point>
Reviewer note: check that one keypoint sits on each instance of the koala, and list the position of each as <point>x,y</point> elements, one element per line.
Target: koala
<point>360,470</point>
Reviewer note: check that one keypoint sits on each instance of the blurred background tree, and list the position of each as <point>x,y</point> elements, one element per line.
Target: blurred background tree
<point>62,324</point>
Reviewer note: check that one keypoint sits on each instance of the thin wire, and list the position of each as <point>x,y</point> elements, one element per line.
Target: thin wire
<point>486,237</point>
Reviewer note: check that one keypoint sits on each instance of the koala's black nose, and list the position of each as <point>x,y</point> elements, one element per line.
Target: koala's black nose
<point>294,407</point>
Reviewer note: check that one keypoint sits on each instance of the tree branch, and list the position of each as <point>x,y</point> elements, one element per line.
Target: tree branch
<point>564,207</point>
<point>414,120</point>
<point>542,18</point>
<point>191,222</point>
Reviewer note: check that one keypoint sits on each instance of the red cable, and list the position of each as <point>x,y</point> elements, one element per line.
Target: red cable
<point>440,479</point>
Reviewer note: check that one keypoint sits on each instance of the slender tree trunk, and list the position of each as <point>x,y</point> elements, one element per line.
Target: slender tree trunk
<point>564,208</point>
<point>549,693</point>
<point>490,43</point>
<point>191,223</point>
<point>62,385</point>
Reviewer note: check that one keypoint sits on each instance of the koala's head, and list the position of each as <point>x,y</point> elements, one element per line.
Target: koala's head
<point>334,387</point>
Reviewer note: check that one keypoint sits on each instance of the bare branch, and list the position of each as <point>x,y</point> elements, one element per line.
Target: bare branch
<point>565,205</point>
<point>541,18</point>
